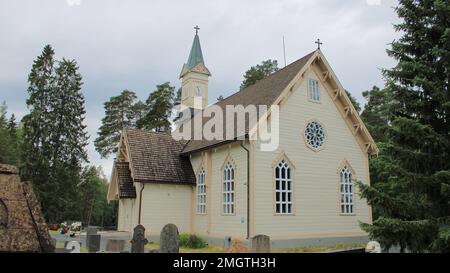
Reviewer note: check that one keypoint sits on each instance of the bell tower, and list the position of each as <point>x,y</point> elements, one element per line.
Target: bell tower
<point>194,78</point>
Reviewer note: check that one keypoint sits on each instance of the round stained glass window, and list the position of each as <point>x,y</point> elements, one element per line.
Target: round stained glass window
<point>314,134</point>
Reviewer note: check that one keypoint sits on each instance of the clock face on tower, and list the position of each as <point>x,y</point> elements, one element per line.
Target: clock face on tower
<point>198,91</point>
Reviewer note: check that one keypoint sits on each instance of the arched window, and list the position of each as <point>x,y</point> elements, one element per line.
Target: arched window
<point>228,190</point>
<point>346,186</point>
<point>283,188</point>
<point>201,192</point>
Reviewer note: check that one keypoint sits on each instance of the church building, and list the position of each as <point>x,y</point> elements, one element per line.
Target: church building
<point>302,193</point>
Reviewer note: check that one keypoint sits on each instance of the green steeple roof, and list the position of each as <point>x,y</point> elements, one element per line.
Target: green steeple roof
<point>196,56</point>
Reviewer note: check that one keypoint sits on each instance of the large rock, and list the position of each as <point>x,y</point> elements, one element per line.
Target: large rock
<point>22,227</point>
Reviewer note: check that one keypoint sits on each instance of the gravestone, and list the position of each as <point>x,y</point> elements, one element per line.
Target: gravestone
<point>261,244</point>
<point>115,245</point>
<point>139,241</point>
<point>91,230</point>
<point>94,243</point>
<point>169,239</point>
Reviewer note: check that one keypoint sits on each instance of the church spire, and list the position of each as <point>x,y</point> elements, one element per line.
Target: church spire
<point>194,77</point>
<point>195,56</point>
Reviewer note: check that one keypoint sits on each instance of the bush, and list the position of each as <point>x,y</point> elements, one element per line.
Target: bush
<point>191,241</point>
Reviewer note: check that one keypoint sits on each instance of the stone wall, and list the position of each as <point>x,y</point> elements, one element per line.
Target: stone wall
<point>22,227</point>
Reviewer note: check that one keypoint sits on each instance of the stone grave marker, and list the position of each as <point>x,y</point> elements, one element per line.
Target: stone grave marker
<point>115,245</point>
<point>91,230</point>
<point>261,244</point>
<point>94,243</point>
<point>169,239</point>
<point>139,241</point>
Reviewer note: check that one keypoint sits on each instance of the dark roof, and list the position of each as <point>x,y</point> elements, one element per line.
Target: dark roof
<point>125,182</point>
<point>155,158</point>
<point>263,92</point>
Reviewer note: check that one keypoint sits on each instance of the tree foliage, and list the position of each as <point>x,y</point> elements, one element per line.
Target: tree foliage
<point>258,72</point>
<point>121,111</point>
<point>95,209</point>
<point>54,135</point>
<point>9,137</point>
<point>410,118</point>
<point>158,109</point>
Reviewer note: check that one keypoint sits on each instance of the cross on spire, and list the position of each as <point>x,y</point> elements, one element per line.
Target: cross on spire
<point>196,29</point>
<point>319,43</point>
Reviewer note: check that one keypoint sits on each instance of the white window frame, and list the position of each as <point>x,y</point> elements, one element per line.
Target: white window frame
<point>228,187</point>
<point>284,193</point>
<point>201,192</point>
<point>314,92</point>
<point>346,191</point>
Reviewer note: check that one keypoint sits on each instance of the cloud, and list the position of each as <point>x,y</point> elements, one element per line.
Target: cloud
<point>136,45</point>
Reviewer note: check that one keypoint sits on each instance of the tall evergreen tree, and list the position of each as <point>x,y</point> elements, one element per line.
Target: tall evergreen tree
<point>68,138</point>
<point>36,138</point>
<point>120,112</point>
<point>158,109</point>
<point>55,137</point>
<point>376,113</point>
<point>258,72</point>
<point>412,191</point>
<point>9,138</point>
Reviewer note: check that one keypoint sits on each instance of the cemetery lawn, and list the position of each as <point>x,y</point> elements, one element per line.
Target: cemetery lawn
<point>209,249</point>
<point>61,245</point>
<point>313,249</point>
<point>54,232</point>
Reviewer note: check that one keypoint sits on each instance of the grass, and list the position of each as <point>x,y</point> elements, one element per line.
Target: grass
<point>61,245</point>
<point>315,249</point>
<point>208,249</point>
<point>54,232</point>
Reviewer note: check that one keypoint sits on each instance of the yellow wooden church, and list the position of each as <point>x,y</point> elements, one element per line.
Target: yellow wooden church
<point>302,193</point>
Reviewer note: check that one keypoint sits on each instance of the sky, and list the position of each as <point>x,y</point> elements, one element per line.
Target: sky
<point>138,44</point>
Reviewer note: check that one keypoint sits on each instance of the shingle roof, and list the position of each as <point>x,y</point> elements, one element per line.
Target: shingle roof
<point>155,158</point>
<point>263,92</point>
<point>126,187</point>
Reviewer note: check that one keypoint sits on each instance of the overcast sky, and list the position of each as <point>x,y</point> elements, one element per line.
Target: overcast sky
<point>136,45</point>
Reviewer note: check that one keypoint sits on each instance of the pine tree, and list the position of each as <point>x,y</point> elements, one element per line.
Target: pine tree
<point>258,72</point>
<point>120,112</point>
<point>412,193</point>
<point>158,109</point>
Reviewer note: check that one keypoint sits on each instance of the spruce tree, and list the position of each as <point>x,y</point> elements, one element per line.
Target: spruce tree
<point>411,194</point>
<point>9,138</point>
<point>68,138</point>
<point>54,136</point>
<point>376,113</point>
<point>120,112</point>
<point>36,124</point>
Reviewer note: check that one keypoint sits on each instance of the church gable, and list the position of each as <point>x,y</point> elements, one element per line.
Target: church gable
<point>320,80</point>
